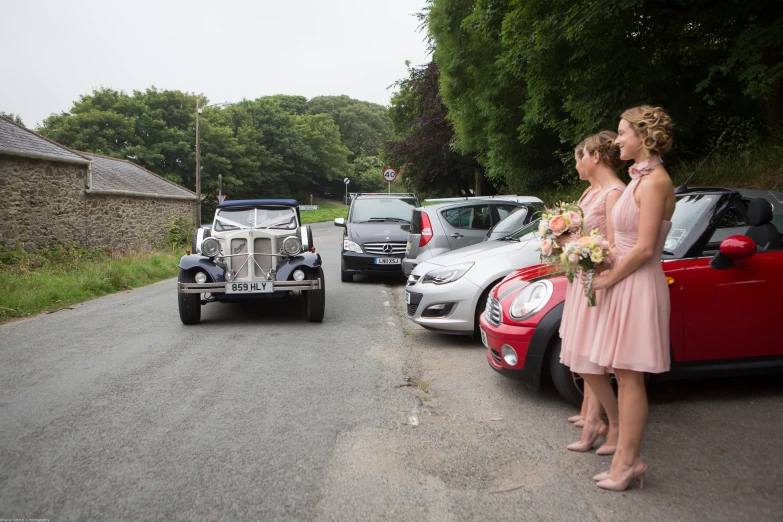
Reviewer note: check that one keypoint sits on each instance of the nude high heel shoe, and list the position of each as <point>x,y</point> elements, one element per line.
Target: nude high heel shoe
<point>635,472</point>
<point>602,476</point>
<point>588,445</point>
<point>580,423</point>
<point>575,418</point>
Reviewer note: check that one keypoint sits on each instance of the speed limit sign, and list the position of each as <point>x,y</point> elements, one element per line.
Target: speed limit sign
<point>389,174</point>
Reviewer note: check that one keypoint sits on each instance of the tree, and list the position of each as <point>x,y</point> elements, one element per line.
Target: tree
<point>364,126</point>
<point>524,81</point>
<point>422,145</point>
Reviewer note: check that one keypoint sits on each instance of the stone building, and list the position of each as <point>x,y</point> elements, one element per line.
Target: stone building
<point>50,194</point>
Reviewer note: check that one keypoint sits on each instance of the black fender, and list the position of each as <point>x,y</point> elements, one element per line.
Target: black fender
<point>536,357</point>
<point>307,260</point>
<point>214,269</point>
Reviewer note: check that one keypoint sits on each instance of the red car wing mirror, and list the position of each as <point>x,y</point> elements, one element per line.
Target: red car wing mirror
<point>733,249</point>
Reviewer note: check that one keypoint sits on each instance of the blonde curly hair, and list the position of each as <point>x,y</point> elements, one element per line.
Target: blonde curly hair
<point>603,144</point>
<point>653,126</point>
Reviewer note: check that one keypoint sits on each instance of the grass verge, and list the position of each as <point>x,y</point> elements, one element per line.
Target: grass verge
<point>40,282</point>
<point>325,212</point>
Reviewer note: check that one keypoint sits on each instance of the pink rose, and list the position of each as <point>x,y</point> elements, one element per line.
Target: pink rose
<point>558,225</point>
<point>573,259</point>
<point>605,244</point>
<point>584,241</point>
<point>546,247</point>
<point>576,219</point>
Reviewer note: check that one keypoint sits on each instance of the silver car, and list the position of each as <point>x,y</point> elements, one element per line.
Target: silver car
<point>441,228</point>
<point>449,292</point>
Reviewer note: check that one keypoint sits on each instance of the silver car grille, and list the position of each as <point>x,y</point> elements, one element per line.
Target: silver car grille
<point>386,249</point>
<point>238,259</point>
<point>493,312</point>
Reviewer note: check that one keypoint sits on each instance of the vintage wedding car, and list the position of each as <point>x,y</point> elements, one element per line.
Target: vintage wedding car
<point>722,258</point>
<point>255,249</point>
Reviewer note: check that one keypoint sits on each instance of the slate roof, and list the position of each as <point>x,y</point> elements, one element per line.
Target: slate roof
<point>20,141</point>
<point>112,174</point>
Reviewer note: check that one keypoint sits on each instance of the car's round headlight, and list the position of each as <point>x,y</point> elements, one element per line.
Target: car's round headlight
<point>210,247</point>
<point>201,278</point>
<point>298,275</point>
<point>530,300</point>
<point>292,245</point>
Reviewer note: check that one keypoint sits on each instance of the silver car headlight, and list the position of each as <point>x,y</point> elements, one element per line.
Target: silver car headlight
<point>449,274</point>
<point>210,247</point>
<point>351,246</point>
<point>292,245</point>
<point>530,300</point>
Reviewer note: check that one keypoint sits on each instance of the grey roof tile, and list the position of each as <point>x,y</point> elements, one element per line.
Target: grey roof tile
<point>116,174</point>
<point>17,139</point>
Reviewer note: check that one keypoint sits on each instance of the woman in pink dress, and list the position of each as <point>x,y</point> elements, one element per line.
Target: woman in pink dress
<point>633,330</point>
<point>598,163</point>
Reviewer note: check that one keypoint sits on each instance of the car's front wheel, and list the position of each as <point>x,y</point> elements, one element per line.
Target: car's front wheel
<point>568,384</point>
<point>315,301</point>
<point>189,304</point>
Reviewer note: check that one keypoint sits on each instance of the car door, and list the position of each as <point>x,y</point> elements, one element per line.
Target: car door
<point>466,225</point>
<point>733,313</point>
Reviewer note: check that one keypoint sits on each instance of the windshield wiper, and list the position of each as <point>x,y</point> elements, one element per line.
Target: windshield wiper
<point>668,253</point>
<point>388,219</point>
<point>508,238</point>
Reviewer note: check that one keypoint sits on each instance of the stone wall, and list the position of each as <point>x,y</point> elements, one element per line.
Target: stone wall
<point>132,223</point>
<point>44,203</point>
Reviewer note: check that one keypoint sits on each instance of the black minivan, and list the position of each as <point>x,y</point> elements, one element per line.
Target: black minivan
<point>376,234</point>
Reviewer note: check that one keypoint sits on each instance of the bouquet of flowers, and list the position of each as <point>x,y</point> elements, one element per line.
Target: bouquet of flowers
<point>586,254</point>
<point>559,220</point>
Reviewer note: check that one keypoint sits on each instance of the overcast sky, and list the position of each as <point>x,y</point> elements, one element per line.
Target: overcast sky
<point>55,50</point>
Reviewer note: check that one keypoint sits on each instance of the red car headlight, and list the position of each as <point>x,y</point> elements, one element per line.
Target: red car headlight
<point>530,300</point>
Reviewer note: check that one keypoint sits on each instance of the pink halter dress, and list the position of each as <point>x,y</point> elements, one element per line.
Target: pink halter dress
<point>633,324</point>
<point>580,321</point>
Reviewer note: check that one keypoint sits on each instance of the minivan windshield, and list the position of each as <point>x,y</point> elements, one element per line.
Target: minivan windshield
<point>382,209</point>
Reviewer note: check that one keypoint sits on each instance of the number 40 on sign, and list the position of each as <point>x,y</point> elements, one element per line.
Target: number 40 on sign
<point>389,174</point>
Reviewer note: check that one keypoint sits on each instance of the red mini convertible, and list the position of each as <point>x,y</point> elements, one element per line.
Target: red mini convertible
<point>724,263</point>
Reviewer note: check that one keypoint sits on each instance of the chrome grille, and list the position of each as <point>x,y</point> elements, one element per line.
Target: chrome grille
<point>493,312</point>
<point>262,245</point>
<point>386,249</point>
<point>238,258</point>
<point>496,356</point>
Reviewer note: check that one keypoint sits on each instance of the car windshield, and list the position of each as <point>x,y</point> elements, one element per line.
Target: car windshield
<point>509,224</point>
<point>689,210</point>
<point>382,209</point>
<point>258,217</point>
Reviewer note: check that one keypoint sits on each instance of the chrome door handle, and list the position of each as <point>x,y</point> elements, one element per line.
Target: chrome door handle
<point>456,235</point>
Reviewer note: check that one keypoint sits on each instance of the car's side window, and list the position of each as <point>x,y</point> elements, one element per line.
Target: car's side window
<point>475,217</point>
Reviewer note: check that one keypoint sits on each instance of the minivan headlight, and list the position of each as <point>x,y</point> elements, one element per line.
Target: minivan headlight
<point>210,247</point>
<point>530,300</point>
<point>351,246</point>
<point>449,274</point>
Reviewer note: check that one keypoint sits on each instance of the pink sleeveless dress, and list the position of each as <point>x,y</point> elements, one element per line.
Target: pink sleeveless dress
<point>633,324</point>
<point>579,322</point>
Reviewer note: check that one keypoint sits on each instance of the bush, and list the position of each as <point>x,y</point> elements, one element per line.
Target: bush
<point>180,232</point>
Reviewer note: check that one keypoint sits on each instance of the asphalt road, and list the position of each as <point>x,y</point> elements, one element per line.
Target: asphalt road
<point>116,411</point>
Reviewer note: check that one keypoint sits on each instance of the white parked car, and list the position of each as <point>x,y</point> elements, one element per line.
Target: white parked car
<point>256,249</point>
<point>449,292</point>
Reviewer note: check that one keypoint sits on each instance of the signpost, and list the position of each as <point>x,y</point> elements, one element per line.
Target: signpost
<point>389,175</point>
<point>346,181</point>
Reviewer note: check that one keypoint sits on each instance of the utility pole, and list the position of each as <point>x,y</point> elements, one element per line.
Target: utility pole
<point>198,168</point>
